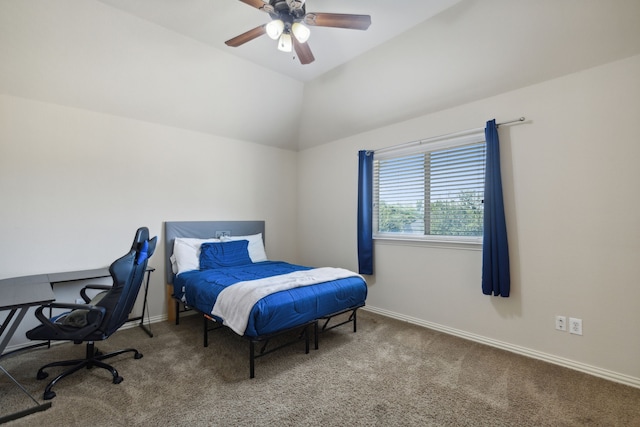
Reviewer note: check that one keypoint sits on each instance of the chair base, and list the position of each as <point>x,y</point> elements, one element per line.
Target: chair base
<point>93,358</point>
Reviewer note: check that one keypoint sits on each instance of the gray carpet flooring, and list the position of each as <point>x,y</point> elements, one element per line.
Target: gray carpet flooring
<point>389,373</point>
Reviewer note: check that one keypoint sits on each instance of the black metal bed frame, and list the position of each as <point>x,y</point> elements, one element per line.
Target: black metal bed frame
<point>265,339</point>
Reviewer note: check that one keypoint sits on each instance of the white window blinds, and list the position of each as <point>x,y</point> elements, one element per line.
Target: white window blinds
<point>430,189</point>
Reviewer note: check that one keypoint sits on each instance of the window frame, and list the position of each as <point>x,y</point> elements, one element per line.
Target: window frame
<point>426,146</point>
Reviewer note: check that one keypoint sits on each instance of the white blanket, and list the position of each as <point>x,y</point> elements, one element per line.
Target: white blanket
<point>235,302</point>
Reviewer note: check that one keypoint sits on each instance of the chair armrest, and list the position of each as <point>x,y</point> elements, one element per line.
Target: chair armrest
<point>83,291</point>
<point>70,333</point>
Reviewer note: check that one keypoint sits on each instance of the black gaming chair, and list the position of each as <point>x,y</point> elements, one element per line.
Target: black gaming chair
<point>100,317</point>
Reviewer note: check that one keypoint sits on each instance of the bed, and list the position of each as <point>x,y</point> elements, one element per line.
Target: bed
<point>220,269</point>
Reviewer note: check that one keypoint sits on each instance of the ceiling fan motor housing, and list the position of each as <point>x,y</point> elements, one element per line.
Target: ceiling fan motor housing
<point>287,10</point>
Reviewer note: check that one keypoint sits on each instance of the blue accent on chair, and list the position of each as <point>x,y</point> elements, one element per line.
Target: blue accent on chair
<point>143,255</point>
<point>496,278</point>
<point>365,212</point>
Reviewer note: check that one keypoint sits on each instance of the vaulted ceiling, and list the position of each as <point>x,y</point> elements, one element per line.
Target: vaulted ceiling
<point>165,61</point>
<point>215,21</point>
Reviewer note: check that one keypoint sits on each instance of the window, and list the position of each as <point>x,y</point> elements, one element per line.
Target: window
<point>431,190</point>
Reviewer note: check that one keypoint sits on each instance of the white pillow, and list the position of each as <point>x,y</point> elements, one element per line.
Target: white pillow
<point>255,247</point>
<point>186,254</point>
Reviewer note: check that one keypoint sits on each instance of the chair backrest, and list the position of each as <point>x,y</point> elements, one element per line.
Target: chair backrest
<point>127,273</point>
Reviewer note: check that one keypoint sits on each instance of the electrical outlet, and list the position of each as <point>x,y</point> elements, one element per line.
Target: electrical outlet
<point>575,326</point>
<point>561,323</point>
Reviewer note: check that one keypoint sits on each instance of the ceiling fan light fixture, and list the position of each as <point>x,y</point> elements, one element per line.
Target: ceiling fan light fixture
<point>301,32</point>
<point>289,25</point>
<point>285,44</point>
<point>275,28</point>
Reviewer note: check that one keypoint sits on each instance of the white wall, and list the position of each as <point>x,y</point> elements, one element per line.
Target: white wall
<point>75,185</point>
<point>570,178</point>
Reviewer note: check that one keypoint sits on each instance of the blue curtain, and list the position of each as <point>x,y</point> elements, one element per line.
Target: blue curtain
<point>365,212</point>
<point>496,278</point>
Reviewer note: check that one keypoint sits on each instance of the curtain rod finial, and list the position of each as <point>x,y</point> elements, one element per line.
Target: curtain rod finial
<point>521,119</point>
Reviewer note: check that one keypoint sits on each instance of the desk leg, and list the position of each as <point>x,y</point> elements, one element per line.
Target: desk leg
<point>13,327</point>
<point>24,413</point>
<point>19,385</point>
<point>38,407</point>
<point>144,306</point>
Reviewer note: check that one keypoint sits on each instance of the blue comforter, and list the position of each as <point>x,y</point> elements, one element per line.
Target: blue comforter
<point>278,311</point>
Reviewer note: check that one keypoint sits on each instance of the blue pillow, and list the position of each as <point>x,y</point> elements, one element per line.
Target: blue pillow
<point>224,254</point>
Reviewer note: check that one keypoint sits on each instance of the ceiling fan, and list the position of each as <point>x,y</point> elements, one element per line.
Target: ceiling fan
<point>290,22</point>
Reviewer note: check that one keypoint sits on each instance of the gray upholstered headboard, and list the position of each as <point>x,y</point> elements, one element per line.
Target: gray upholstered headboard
<point>204,230</point>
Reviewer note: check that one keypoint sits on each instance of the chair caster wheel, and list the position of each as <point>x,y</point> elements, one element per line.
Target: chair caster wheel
<point>117,380</point>
<point>48,395</point>
<point>138,356</point>
<point>42,375</point>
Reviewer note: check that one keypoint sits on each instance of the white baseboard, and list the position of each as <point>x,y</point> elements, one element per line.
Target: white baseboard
<point>550,358</point>
<point>556,360</point>
<point>147,321</point>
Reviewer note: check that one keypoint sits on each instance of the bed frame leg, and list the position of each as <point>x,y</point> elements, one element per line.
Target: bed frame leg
<point>315,334</point>
<point>252,359</point>
<point>355,319</point>
<point>306,339</point>
<point>205,331</point>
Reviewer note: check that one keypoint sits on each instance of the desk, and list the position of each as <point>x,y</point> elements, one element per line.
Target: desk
<point>17,295</point>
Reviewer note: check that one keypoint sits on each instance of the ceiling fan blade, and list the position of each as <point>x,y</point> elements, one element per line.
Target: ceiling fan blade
<point>303,51</point>
<point>258,4</point>
<point>338,20</point>
<point>246,37</point>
